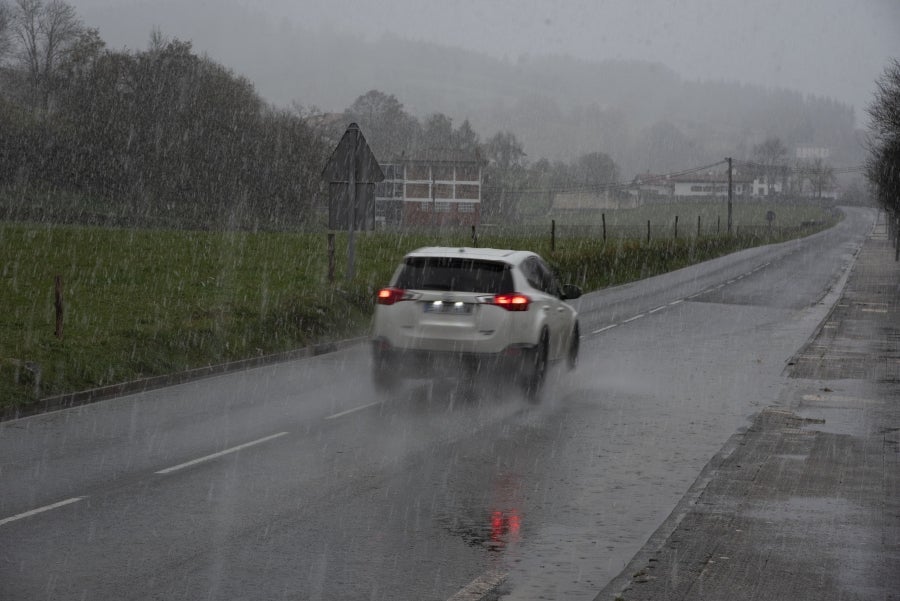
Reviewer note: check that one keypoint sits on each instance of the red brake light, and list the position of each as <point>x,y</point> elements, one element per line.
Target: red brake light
<point>512,302</point>
<point>389,296</point>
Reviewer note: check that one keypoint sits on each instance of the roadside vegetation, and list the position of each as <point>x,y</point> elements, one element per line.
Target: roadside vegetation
<point>183,215</point>
<point>143,302</point>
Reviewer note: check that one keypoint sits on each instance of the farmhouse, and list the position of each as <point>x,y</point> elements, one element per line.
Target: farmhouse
<point>649,187</point>
<point>433,187</point>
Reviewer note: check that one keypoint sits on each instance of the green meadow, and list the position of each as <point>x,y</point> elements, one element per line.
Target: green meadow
<point>144,302</point>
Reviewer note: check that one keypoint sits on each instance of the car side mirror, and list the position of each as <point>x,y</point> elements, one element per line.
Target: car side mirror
<point>570,291</point>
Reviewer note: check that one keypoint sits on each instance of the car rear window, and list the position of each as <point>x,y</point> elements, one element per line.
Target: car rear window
<point>455,274</point>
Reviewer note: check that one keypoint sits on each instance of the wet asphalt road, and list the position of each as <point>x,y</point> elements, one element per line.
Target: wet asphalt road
<point>293,481</point>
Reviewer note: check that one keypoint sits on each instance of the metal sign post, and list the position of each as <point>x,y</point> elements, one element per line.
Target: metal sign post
<point>351,173</point>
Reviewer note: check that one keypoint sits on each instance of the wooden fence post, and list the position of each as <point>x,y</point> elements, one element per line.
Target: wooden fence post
<point>603,217</point>
<point>553,234</point>
<point>676,227</point>
<point>648,231</point>
<point>331,257</point>
<point>59,306</point>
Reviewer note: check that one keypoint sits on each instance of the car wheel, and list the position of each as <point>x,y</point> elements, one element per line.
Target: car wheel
<point>574,346</point>
<point>536,369</point>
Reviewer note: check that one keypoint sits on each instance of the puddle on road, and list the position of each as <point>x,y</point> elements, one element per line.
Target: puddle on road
<point>494,531</point>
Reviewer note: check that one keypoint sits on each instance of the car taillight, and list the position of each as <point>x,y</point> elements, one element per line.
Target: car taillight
<point>389,296</point>
<point>512,302</point>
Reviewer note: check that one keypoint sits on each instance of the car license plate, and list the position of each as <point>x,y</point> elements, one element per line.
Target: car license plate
<point>453,308</point>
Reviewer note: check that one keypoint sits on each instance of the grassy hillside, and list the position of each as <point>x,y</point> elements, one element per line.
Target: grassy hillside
<point>139,303</point>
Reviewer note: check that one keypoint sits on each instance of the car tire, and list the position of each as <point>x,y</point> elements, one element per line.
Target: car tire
<point>574,347</point>
<point>536,369</point>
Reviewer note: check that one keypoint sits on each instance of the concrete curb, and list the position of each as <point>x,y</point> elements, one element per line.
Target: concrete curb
<point>84,397</point>
<point>616,587</point>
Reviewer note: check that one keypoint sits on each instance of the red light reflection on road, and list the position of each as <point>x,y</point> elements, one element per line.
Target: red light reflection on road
<point>505,527</point>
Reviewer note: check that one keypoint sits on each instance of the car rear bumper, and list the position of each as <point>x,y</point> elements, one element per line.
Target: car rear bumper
<point>415,363</point>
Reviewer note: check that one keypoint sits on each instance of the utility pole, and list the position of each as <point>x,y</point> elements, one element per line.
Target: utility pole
<point>730,194</point>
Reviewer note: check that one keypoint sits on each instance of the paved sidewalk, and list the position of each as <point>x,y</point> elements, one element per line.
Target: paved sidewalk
<point>806,503</point>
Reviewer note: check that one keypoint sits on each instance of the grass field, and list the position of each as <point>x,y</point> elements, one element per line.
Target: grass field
<point>139,303</point>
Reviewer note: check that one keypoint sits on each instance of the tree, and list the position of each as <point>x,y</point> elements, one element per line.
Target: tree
<point>770,157</point>
<point>437,132</point>
<point>6,18</point>
<point>44,34</point>
<point>388,128</point>
<point>820,176</point>
<point>504,175</point>
<point>883,164</point>
<point>465,138</point>
<point>594,170</point>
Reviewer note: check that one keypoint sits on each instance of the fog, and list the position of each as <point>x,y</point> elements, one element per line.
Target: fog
<point>828,48</point>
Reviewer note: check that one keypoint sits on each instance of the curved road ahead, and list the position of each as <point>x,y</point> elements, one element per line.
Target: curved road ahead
<point>293,481</point>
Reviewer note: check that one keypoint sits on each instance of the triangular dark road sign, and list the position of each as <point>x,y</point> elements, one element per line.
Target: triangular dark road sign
<point>352,145</point>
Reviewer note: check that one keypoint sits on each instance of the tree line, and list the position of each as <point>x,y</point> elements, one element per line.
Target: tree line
<point>163,134</point>
<point>166,136</point>
<point>883,164</point>
<point>508,174</point>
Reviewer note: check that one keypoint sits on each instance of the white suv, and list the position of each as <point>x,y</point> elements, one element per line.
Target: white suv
<point>461,311</point>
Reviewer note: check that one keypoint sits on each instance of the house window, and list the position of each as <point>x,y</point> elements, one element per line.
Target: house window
<point>467,173</point>
<point>442,207</point>
<point>417,172</point>
<point>466,207</point>
<point>442,172</point>
<point>443,190</point>
<point>418,191</point>
<point>467,191</point>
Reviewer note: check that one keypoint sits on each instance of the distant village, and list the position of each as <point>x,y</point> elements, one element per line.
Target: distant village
<point>445,187</point>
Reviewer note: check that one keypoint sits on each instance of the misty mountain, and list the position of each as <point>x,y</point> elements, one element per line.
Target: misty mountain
<point>644,115</point>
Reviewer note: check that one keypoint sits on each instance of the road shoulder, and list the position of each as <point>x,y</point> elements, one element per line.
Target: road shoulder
<point>804,504</point>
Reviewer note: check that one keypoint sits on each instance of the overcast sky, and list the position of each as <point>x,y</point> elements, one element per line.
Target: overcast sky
<point>831,48</point>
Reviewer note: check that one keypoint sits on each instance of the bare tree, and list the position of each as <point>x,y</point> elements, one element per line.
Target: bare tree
<point>770,156</point>
<point>820,175</point>
<point>44,34</point>
<point>883,165</point>
<point>5,30</point>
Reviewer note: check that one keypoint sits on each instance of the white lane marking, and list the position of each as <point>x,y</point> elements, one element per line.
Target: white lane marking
<point>720,286</point>
<point>673,303</point>
<point>730,282</point>
<point>354,410</point>
<point>660,308</point>
<point>604,329</point>
<point>633,318</point>
<point>696,295</point>
<point>40,510</point>
<point>480,587</point>
<point>181,466</point>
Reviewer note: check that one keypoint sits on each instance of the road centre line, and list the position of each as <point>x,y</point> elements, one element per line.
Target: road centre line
<point>676,302</point>
<point>354,410</point>
<point>604,329</point>
<point>481,586</point>
<point>659,308</point>
<point>180,466</point>
<point>633,318</point>
<point>40,510</point>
